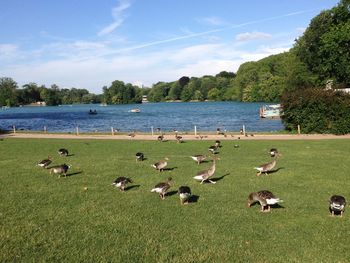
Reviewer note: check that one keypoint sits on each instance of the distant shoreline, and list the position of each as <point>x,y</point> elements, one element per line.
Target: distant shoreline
<point>171,137</point>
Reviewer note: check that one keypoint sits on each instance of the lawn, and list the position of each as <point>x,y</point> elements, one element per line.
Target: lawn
<point>46,218</point>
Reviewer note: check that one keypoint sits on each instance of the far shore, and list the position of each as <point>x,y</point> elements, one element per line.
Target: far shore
<point>171,137</point>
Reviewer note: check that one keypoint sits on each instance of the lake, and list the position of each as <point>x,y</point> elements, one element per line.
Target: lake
<point>182,116</point>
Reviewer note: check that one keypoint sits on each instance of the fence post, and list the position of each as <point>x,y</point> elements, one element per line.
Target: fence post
<point>299,129</point>
<point>45,130</point>
<point>112,130</point>
<point>152,130</point>
<point>195,130</point>
<point>14,129</point>
<point>77,130</point>
<point>244,130</point>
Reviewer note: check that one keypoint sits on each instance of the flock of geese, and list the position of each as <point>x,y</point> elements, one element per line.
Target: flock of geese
<point>265,198</point>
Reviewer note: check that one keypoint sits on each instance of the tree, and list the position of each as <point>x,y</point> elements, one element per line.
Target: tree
<point>8,93</point>
<point>183,81</point>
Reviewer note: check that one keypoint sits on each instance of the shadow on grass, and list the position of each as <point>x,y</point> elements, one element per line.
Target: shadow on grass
<point>169,169</point>
<point>132,187</point>
<point>218,178</point>
<point>171,193</point>
<point>76,173</point>
<point>193,199</point>
<point>275,170</point>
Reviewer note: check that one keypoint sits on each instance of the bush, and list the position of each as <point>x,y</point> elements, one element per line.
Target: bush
<point>316,111</point>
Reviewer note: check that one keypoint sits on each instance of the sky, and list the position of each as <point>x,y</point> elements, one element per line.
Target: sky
<point>88,43</point>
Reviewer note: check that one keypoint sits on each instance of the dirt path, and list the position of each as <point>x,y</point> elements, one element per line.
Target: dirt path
<point>185,136</point>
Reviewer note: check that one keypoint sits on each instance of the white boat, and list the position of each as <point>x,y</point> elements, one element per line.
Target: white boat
<point>270,111</point>
<point>103,104</point>
<point>135,110</point>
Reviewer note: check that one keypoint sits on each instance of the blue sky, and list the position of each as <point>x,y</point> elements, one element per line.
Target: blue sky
<point>88,44</point>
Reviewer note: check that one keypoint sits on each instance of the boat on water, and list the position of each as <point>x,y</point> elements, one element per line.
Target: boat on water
<point>103,104</point>
<point>270,111</point>
<point>135,110</point>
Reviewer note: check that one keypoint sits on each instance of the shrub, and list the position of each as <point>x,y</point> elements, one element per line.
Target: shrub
<point>316,111</point>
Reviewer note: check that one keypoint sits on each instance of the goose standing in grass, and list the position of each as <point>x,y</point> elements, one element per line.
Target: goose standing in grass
<point>139,156</point>
<point>199,158</point>
<point>265,198</point>
<point>337,204</point>
<point>184,194</point>
<point>206,174</point>
<point>45,163</point>
<point>63,152</point>
<point>60,169</point>
<point>213,149</point>
<point>162,188</point>
<point>267,167</point>
<point>161,164</point>
<point>121,182</point>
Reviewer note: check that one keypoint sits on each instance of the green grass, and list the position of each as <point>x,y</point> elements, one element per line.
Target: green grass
<point>43,218</point>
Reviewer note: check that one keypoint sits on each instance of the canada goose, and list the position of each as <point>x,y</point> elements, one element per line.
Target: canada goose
<point>161,164</point>
<point>61,169</point>
<point>199,158</point>
<point>121,182</point>
<point>206,174</point>
<point>162,188</point>
<point>63,152</point>
<point>217,144</point>
<point>337,204</point>
<point>46,162</point>
<point>184,194</point>
<point>139,156</point>
<point>265,198</point>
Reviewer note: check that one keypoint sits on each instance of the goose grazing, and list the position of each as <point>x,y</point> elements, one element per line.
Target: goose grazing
<point>139,156</point>
<point>337,204</point>
<point>121,182</point>
<point>265,198</point>
<point>213,149</point>
<point>199,158</point>
<point>162,188</point>
<point>63,152</point>
<point>161,164</point>
<point>184,194</point>
<point>45,163</point>
<point>206,174</point>
<point>273,152</point>
<point>61,169</point>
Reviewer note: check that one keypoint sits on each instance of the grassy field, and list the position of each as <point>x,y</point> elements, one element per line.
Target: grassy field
<point>46,218</point>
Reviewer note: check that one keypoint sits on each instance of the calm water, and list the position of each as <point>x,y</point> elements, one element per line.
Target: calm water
<point>207,116</point>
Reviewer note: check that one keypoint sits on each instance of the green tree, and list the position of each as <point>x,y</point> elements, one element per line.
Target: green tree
<point>8,93</point>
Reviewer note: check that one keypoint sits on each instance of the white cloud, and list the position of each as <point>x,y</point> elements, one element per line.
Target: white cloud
<point>7,50</point>
<point>253,36</point>
<point>118,17</point>
<point>212,20</point>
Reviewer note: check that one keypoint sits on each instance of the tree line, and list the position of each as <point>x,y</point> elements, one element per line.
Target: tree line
<point>31,93</point>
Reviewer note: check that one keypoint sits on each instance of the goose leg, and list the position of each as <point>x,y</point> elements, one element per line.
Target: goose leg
<point>212,181</point>
<point>202,181</point>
